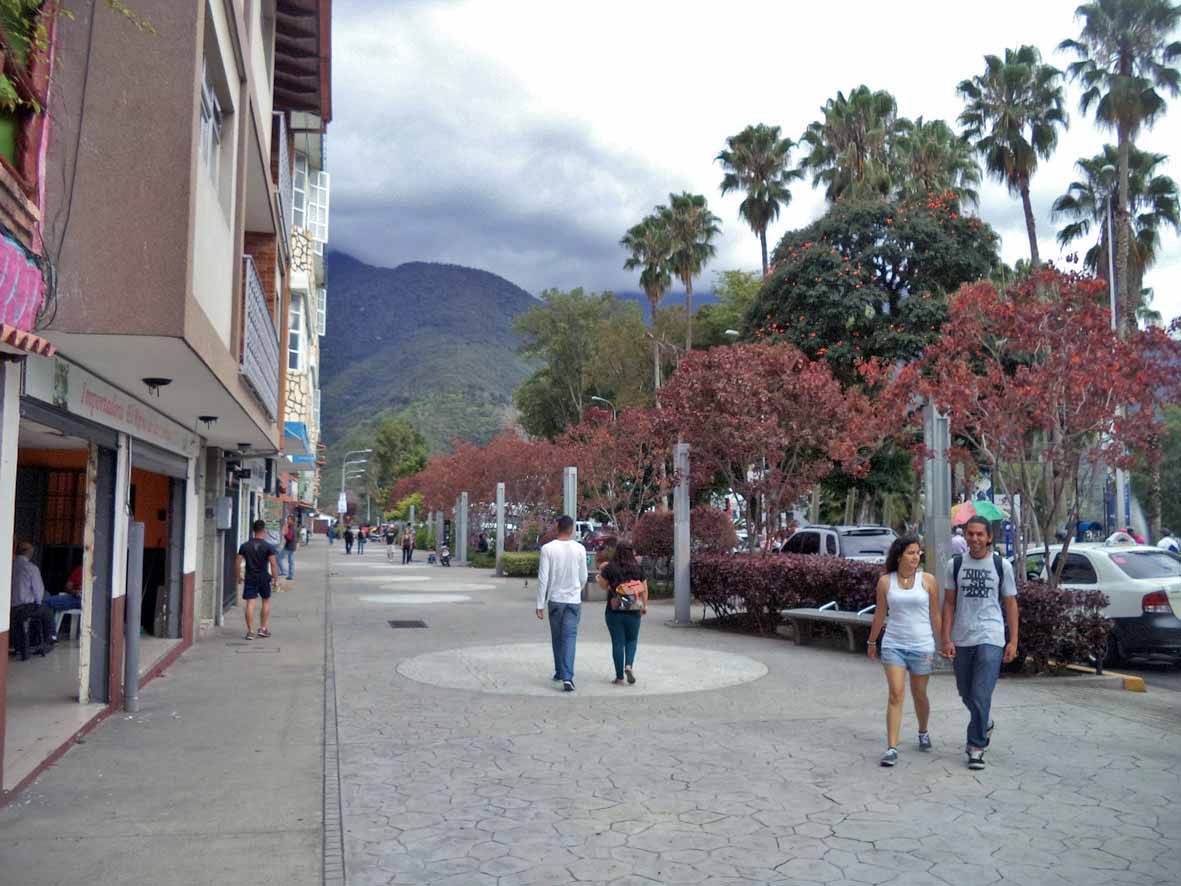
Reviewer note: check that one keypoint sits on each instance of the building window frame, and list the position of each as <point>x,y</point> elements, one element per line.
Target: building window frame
<point>299,190</point>
<point>212,121</point>
<point>321,310</point>
<point>296,337</point>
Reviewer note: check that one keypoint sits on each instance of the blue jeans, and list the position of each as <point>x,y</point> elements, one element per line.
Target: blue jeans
<point>63,602</point>
<point>977,668</point>
<point>563,631</point>
<point>624,628</point>
<point>289,556</point>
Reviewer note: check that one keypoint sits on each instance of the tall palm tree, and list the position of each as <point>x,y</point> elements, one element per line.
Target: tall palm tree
<point>692,229</point>
<point>650,246</point>
<point>849,149</point>
<point>1012,114</point>
<point>1152,204</point>
<point>929,158</point>
<point>1125,66</point>
<point>756,162</point>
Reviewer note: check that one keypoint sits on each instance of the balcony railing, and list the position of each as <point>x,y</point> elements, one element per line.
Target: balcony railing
<point>286,194</point>
<point>260,344</point>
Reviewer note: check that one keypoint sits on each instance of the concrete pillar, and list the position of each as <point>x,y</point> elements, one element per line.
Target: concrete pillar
<point>439,521</point>
<point>936,489</point>
<point>10,417</point>
<point>570,492</point>
<point>461,529</point>
<point>681,538</point>
<point>411,517</point>
<point>499,528</point>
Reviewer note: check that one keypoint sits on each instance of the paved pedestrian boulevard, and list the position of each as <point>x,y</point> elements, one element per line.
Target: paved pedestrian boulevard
<point>734,760</point>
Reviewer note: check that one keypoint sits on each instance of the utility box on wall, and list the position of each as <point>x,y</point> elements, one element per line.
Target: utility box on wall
<point>224,513</point>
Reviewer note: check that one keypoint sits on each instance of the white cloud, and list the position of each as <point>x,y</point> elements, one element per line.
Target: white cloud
<point>525,137</point>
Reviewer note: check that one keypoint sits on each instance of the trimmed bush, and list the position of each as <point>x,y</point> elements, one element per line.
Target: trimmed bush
<point>1061,626</point>
<point>486,560</point>
<point>712,531</point>
<point>521,565</point>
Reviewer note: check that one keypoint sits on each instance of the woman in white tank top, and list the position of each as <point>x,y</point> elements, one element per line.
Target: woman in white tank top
<point>908,604</point>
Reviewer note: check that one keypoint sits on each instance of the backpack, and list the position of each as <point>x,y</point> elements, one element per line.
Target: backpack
<point>997,563</point>
<point>627,597</point>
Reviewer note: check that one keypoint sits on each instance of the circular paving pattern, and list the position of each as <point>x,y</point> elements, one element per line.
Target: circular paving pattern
<point>401,598</point>
<point>526,668</point>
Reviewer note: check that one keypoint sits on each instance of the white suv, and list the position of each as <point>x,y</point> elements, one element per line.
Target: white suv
<point>1143,588</point>
<point>866,544</point>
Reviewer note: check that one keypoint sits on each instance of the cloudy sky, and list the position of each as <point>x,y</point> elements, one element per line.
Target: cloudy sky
<point>525,137</point>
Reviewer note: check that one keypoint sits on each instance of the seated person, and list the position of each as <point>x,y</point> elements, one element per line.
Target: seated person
<point>71,598</point>
<point>28,601</point>
<point>445,555</point>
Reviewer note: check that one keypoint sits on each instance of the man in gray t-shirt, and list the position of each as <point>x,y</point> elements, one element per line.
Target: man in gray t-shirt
<point>979,599</point>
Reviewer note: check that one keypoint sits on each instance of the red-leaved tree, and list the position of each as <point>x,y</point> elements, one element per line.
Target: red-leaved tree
<point>1044,390</point>
<point>768,421</point>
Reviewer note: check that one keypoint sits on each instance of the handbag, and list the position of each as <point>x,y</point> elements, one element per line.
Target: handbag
<point>627,597</point>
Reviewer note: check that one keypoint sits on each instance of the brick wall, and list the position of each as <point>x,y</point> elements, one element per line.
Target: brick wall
<point>263,249</point>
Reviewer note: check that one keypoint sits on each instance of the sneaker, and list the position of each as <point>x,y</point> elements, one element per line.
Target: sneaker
<point>890,757</point>
<point>631,677</point>
<point>925,741</point>
<point>976,759</point>
<point>568,685</point>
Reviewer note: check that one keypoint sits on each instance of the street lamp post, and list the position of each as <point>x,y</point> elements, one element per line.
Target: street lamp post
<point>343,467</point>
<point>614,412</point>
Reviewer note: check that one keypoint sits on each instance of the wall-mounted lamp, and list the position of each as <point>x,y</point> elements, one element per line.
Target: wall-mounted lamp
<point>154,384</point>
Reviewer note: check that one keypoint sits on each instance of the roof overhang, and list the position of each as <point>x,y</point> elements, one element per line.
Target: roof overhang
<point>22,341</point>
<point>303,62</point>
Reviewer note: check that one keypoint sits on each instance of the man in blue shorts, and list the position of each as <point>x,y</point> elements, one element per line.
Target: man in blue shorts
<point>258,555</point>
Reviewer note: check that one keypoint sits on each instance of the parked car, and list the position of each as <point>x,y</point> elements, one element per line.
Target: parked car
<point>866,544</point>
<point>1143,588</point>
<point>603,537</point>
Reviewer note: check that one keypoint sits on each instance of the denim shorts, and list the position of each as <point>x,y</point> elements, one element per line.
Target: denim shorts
<point>917,661</point>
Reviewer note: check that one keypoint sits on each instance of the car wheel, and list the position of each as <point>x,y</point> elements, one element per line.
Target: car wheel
<point>1113,655</point>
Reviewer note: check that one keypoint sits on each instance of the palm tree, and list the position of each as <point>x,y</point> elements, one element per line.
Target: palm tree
<point>1152,204</point>
<point>692,228</point>
<point>850,147</point>
<point>929,158</point>
<point>1012,115</point>
<point>1125,65</point>
<point>756,162</point>
<point>650,246</point>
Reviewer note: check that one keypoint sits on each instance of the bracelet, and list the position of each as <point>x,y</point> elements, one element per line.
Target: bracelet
<point>872,642</point>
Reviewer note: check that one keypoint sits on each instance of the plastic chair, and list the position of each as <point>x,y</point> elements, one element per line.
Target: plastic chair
<point>75,622</point>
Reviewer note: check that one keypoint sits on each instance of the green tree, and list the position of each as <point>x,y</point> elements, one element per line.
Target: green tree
<point>756,162</point>
<point>649,245</point>
<point>399,450</point>
<point>692,228</point>
<point>736,292</point>
<point>1126,67</point>
<point>1163,484</point>
<point>869,279</point>
<point>928,158</point>
<point>1012,114</point>
<point>401,510</point>
<point>1153,205</point>
<point>849,150</point>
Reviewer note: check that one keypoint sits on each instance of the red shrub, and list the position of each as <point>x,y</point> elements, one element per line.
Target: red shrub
<point>712,530</point>
<point>1059,625</point>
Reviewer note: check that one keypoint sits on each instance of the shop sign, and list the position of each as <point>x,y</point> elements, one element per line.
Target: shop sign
<point>272,515</point>
<point>72,388</point>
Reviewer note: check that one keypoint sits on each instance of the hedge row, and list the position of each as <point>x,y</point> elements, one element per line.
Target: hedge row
<point>486,560</point>
<point>521,565</point>
<point>749,591</point>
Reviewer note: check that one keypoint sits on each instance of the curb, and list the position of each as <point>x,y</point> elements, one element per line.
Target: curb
<point>1129,683</point>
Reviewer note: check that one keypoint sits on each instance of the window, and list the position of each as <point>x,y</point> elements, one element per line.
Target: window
<point>316,408</point>
<point>321,310</point>
<point>317,209</point>
<point>1148,564</point>
<point>211,119</point>
<point>295,336</point>
<point>830,544</point>
<point>867,542</point>
<point>1077,571</point>
<point>299,189</point>
<point>804,543</point>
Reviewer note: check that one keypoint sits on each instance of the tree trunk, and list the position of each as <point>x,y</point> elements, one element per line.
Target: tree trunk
<point>655,353</point>
<point>814,506</point>
<point>1126,300</point>
<point>1030,227</point>
<point>688,314</point>
<point>763,244</point>
<point>1154,492</point>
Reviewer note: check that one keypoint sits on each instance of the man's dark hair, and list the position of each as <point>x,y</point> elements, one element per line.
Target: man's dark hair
<point>258,526</point>
<point>565,524</point>
<point>981,521</point>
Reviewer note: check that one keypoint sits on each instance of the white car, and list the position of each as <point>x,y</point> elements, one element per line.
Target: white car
<point>866,544</point>
<point>1143,588</point>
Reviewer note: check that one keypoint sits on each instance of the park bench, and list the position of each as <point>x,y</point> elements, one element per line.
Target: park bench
<point>803,620</point>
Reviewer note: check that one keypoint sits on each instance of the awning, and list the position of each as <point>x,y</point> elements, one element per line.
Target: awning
<point>298,464</point>
<point>295,439</point>
<point>21,341</point>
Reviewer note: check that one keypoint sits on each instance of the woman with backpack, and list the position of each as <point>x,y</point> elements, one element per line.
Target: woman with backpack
<point>627,600</point>
<point>908,603</point>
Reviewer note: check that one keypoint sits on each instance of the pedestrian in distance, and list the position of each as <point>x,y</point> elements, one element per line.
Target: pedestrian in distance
<point>561,576</point>
<point>349,538</point>
<point>1168,542</point>
<point>958,545</point>
<point>331,533</point>
<point>979,602</point>
<point>391,536</point>
<point>908,604</point>
<point>627,600</point>
<point>290,543</point>
<point>407,545</point>
<point>362,537</point>
<point>262,566</point>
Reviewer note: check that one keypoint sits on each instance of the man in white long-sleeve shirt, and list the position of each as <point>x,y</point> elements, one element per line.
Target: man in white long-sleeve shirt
<point>561,575</point>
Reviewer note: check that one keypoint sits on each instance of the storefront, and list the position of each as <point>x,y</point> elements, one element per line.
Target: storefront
<point>91,459</point>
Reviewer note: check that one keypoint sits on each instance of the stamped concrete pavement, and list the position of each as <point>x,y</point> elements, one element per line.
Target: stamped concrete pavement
<point>450,776</point>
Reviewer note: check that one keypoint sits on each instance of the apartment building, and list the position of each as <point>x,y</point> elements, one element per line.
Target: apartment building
<point>149,379</point>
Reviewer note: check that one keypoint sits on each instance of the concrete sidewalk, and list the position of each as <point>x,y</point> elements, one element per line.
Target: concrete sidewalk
<point>217,780</point>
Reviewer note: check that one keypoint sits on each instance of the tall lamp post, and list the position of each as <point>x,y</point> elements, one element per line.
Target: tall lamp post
<point>614,411</point>
<point>342,504</point>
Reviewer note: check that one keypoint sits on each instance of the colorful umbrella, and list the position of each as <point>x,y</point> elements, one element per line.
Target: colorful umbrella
<point>986,509</point>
